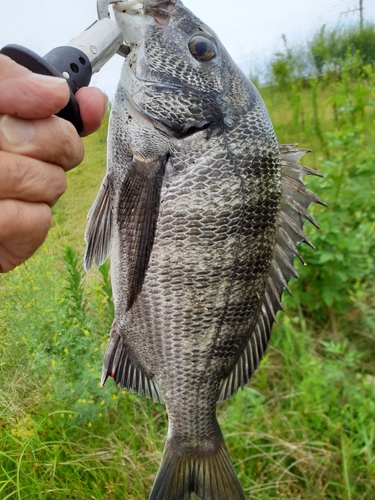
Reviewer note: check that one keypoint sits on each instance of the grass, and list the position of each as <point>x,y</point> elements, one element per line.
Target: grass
<point>304,428</point>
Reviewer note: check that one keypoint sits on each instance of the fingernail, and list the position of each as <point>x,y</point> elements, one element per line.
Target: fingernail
<point>51,81</point>
<point>16,131</point>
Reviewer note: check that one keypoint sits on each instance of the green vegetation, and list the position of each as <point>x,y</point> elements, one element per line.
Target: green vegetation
<point>323,55</point>
<point>304,428</point>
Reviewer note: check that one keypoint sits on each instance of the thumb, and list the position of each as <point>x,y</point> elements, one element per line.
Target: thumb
<point>30,95</point>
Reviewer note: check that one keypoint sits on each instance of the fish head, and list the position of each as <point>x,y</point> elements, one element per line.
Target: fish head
<point>178,73</point>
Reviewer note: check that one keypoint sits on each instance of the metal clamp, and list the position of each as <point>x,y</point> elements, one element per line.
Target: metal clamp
<point>102,7</point>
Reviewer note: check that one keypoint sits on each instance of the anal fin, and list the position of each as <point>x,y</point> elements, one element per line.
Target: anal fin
<point>118,365</point>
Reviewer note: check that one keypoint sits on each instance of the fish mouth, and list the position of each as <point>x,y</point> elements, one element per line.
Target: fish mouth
<point>159,10</point>
<point>133,7</point>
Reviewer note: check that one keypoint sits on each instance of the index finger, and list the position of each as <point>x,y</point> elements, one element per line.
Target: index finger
<point>28,95</point>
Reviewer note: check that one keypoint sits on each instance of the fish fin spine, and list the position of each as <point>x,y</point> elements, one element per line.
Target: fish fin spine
<point>210,476</point>
<point>295,200</point>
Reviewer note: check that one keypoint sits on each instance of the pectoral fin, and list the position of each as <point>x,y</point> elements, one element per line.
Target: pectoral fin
<point>137,216</point>
<point>98,235</point>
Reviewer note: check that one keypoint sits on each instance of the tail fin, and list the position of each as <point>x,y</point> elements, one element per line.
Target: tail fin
<point>208,476</point>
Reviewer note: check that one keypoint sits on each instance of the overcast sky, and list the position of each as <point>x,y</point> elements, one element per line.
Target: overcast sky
<point>250,29</point>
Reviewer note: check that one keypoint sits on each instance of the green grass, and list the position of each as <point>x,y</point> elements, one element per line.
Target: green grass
<point>304,428</point>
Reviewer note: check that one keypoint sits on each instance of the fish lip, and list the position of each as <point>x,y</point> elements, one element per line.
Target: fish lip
<point>103,5</point>
<point>124,5</point>
<point>160,10</point>
<point>146,4</point>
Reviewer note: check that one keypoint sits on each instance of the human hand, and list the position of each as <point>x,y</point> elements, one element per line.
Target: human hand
<point>36,149</point>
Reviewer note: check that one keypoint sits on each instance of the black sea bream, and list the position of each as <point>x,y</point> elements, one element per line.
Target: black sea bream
<point>201,210</point>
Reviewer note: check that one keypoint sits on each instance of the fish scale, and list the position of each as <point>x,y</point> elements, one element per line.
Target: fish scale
<point>201,210</point>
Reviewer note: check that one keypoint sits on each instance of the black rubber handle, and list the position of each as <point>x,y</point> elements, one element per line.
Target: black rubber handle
<point>65,62</point>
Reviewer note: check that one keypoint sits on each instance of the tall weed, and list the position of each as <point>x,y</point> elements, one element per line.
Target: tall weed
<point>341,270</point>
<point>323,56</point>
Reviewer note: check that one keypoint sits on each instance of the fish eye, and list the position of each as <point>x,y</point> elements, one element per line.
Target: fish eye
<point>202,48</point>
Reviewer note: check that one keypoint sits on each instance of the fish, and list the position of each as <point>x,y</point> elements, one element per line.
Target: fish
<point>201,210</point>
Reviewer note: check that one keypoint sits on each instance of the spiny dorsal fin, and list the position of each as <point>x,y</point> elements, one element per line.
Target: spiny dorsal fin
<point>137,215</point>
<point>295,200</point>
<point>118,365</point>
<point>98,235</point>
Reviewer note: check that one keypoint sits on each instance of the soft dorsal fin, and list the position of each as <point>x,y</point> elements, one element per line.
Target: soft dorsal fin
<point>137,215</point>
<point>98,235</point>
<point>295,200</point>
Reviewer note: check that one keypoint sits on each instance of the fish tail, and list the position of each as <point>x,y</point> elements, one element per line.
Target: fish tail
<point>210,476</point>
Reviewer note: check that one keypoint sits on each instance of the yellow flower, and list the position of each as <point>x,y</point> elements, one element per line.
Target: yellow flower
<point>24,428</point>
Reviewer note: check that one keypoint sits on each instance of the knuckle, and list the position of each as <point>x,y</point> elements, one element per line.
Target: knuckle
<point>62,183</point>
<point>45,218</point>
<point>23,229</point>
<point>13,171</point>
<point>42,220</point>
<point>58,185</point>
<point>33,219</point>
<point>30,180</point>
<point>8,217</point>
<point>71,146</point>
